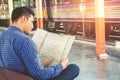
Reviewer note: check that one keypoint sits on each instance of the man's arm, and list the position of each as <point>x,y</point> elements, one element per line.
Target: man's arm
<point>30,57</point>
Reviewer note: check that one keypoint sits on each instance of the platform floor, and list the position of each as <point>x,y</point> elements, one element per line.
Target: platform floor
<point>82,53</point>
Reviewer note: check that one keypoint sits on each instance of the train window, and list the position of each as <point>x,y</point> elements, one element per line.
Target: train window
<point>94,0</point>
<point>4,1</point>
<point>43,3</point>
<point>71,1</point>
<point>59,2</point>
<point>4,9</point>
<point>107,0</point>
<point>89,1</point>
<point>66,1</point>
<point>56,2</point>
<point>31,3</point>
<point>18,3</point>
<point>53,2</point>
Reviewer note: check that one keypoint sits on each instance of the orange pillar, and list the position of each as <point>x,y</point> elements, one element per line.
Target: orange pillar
<point>40,23</point>
<point>10,4</point>
<point>39,16</point>
<point>100,29</point>
<point>100,36</point>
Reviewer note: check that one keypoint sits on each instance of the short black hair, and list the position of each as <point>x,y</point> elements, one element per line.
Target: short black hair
<point>20,11</point>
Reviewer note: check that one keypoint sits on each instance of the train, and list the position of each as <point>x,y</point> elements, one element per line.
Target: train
<point>68,14</point>
<point>76,17</point>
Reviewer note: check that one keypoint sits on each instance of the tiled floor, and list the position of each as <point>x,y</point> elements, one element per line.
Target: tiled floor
<point>83,54</point>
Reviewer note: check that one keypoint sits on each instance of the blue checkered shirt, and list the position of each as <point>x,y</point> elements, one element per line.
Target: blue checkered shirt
<point>14,42</point>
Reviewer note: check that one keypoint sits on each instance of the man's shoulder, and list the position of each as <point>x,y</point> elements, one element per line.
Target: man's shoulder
<point>22,37</point>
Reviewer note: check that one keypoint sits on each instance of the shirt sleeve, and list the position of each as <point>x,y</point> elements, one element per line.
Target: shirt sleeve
<point>29,54</point>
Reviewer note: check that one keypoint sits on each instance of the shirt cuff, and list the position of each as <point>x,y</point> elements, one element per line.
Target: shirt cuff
<point>60,67</point>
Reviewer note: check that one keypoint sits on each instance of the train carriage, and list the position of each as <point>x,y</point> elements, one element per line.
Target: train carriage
<point>70,14</point>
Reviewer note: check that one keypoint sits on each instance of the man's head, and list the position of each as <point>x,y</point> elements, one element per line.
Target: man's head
<point>22,17</point>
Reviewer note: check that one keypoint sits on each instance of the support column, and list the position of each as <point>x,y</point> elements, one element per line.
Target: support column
<point>10,6</point>
<point>39,17</point>
<point>100,29</point>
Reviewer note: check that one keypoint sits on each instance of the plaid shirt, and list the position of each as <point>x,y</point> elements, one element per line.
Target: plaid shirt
<point>14,42</point>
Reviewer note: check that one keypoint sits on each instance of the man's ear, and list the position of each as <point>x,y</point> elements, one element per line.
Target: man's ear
<point>23,19</point>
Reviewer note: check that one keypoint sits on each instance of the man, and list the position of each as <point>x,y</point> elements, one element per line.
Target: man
<point>19,53</point>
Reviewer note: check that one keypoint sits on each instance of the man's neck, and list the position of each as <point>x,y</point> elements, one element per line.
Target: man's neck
<point>18,25</point>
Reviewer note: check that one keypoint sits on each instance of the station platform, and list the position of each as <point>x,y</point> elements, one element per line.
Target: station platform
<point>82,53</point>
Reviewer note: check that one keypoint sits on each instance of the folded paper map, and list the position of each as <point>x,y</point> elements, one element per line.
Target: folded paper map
<point>52,47</point>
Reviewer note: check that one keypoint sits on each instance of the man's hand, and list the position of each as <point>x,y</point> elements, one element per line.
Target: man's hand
<point>64,63</point>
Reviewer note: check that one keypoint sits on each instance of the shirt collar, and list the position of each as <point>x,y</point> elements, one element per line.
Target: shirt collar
<point>14,28</point>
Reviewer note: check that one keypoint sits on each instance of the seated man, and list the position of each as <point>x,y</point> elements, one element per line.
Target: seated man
<point>18,52</point>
